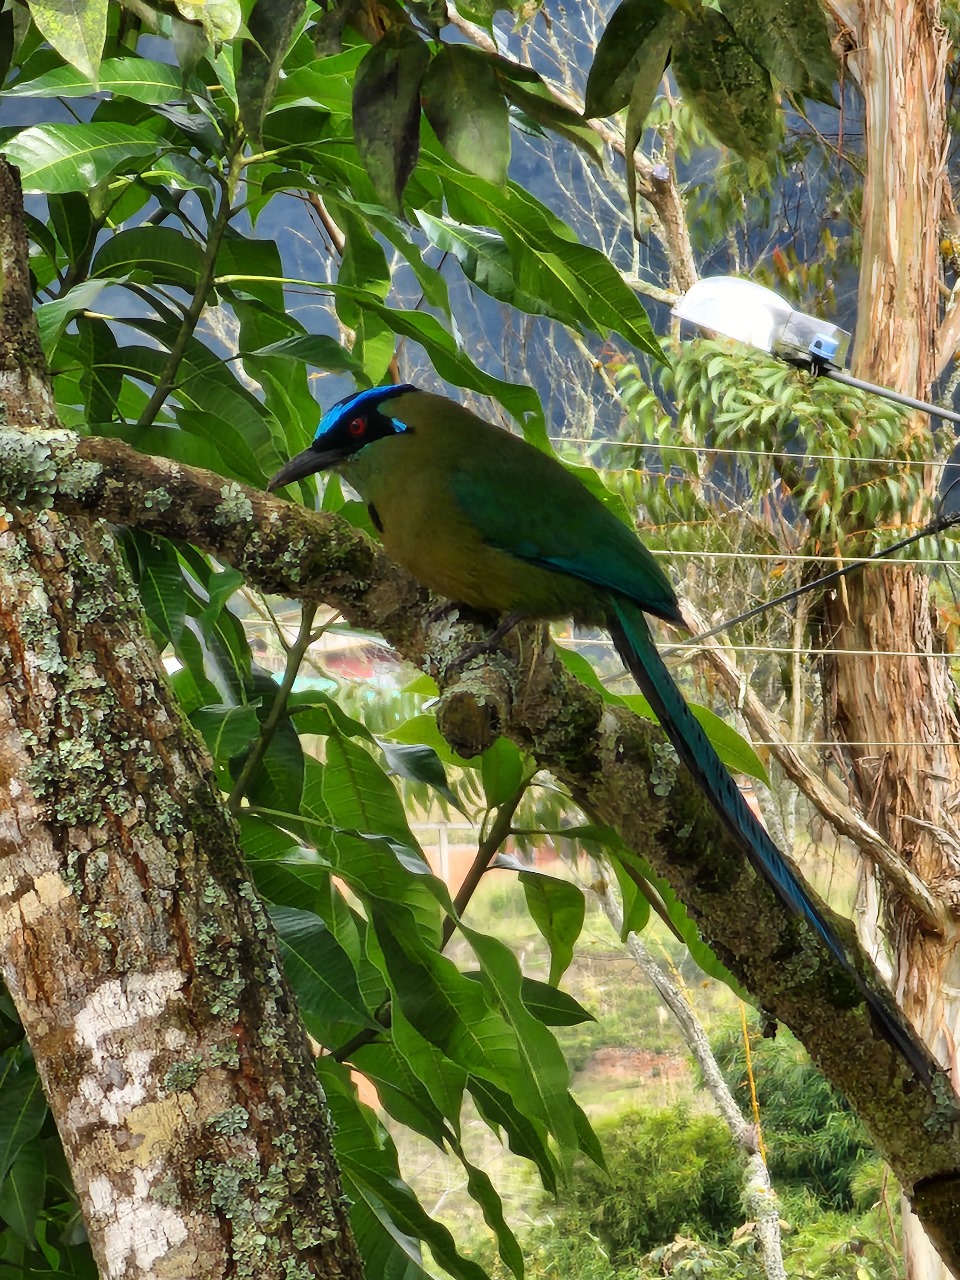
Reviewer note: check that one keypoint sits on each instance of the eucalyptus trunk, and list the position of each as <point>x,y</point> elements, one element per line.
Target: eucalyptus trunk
<point>888,682</point>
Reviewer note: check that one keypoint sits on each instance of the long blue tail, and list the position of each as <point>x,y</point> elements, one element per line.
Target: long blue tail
<point>631,635</point>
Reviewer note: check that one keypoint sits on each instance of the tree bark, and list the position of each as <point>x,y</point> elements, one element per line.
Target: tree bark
<point>907,786</point>
<point>142,963</point>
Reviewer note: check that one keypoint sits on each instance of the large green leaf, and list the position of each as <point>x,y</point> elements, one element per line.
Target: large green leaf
<point>620,54</point>
<point>543,1070</point>
<point>400,1089</point>
<point>22,1190</point>
<point>558,909</point>
<point>150,253</point>
<point>488,261</point>
<point>358,794</point>
<point>272,25</point>
<point>22,1113</point>
<point>322,976</point>
<point>647,67</point>
<point>386,111</point>
<point>463,101</point>
<point>53,317</point>
<point>387,1219</point>
<point>550,262</point>
<point>526,1136</point>
<point>161,585</point>
<point>791,39</point>
<point>75,157</point>
<point>501,771</point>
<point>446,1008</point>
<point>136,78</point>
<point>727,88</point>
<point>443,1079</point>
<point>76,29</point>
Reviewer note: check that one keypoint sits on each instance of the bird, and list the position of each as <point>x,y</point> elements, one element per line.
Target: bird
<point>486,519</point>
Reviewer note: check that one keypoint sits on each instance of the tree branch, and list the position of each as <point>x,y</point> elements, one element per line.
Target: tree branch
<point>604,755</point>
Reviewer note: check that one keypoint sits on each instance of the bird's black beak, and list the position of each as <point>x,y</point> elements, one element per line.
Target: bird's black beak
<point>304,464</point>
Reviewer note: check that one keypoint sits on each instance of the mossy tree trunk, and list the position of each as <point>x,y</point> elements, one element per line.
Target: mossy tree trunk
<point>142,962</point>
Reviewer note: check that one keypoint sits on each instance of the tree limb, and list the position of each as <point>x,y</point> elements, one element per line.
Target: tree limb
<point>604,755</point>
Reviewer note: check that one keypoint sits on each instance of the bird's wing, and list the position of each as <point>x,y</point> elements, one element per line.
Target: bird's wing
<point>530,506</point>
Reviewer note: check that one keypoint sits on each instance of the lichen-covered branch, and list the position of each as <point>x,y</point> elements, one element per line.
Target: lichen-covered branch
<point>608,758</point>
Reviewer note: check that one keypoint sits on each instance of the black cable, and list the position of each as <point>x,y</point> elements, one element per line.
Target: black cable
<point>936,526</point>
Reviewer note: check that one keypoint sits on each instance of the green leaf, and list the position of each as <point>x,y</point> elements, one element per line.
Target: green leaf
<point>548,261</point>
<point>620,54</point>
<point>446,1008</point>
<point>400,1089</point>
<point>543,1070</point>
<point>317,349</point>
<point>358,794</point>
<point>22,1113</point>
<point>136,78</point>
<point>501,769</point>
<point>525,1136</point>
<point>386,111</point>
<point>558,910</point>
<point>272,25</point>
<point>485,1195</point>
<point>488,261</point>
<point>647,69</point>
<point>552,1007</point>
<point>77,30</point>
<point>418,763</point>
<point>462,100</point>
<point>536,100</point>
<point>322,976</point>
<point>100,378</point>
<point>729,91</point>
<point>161,585</point>
<point>387,1219</point>
<point>22,1191</point>
<point>53,317</point>
<point>150,254</point>
<point>278,781</point>
<point>219,19</point>
<point>75,157</point>
<point>791,39</point>
<point>423,729</point>
<point>443,1079</point>
<point>227,731</point>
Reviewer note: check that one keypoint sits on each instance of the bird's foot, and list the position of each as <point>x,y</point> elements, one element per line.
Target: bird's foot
<point>488,644</point>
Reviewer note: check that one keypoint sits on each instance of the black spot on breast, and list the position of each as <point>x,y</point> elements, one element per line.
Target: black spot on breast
<point>375,517</point>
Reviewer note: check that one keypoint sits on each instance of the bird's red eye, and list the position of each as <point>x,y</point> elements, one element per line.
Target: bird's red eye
<point>357,427</point>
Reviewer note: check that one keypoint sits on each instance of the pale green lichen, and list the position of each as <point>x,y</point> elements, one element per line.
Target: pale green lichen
<point>235,506</point>
<point>231,1122</point>
<point>35,467</point>
<point>663,771</point>
<point>183,1075</point>
<point>157,499</point>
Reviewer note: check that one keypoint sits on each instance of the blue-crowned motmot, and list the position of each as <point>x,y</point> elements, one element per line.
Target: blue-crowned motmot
<point>484,518</point>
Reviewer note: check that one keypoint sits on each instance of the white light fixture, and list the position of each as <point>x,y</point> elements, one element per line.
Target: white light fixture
<point>749,313</point>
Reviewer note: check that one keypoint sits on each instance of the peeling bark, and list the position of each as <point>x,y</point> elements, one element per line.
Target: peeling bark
<point>908,789</point>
